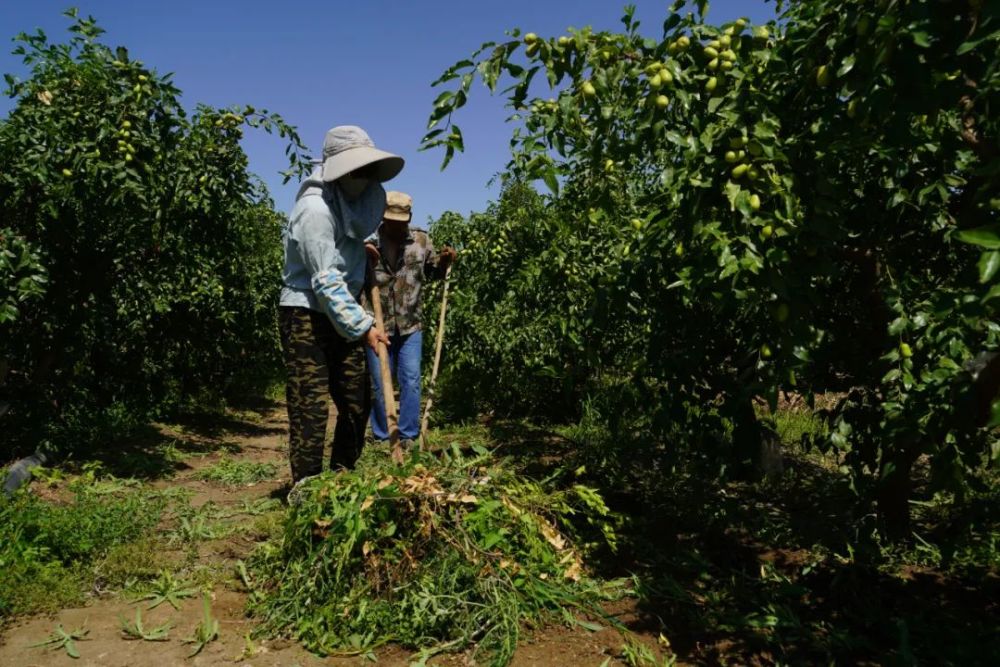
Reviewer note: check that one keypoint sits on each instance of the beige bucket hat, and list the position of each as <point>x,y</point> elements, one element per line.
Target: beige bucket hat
<point>348,147</point>
<point>398,206</point>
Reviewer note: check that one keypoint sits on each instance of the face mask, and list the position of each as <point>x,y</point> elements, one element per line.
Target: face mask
<point>395,230</point>
<point>352,187</point>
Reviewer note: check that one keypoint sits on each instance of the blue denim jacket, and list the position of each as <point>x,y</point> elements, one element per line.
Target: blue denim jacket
<point>325,252</point>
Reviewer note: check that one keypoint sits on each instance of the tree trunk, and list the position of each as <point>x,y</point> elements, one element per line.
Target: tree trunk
<point>894,496</point>
<point>746,436</point>
<point>756,450</point>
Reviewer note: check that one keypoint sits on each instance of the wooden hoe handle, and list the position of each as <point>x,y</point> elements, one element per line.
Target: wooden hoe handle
<point>386,373</point>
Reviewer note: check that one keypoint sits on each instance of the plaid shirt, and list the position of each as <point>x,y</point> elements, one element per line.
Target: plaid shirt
<point>399,286</point>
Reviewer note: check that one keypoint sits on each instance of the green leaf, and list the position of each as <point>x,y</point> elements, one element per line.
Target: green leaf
<point>986,237</point>
<point>589,625</point>
<point>994,415</point>
<point>898,326</point>
<point>846,65</point>
<point>973,43</point>
<point>921,38</point>
<point>732,192</point>
<point>992,294</point>
<point>549,176</point>
<point>989,262</point>
<point>430,135</point>
<point>443,98</point>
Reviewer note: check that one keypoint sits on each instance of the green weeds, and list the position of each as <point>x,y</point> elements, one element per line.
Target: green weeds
<point>797,427</point>
<point>128,565</point>
<point>167,589</point>
<point>136,630</point>
<point>230,472</point>
<point>433,555</point>
<point>637,654</point>
<point>60,639</point>
<point>200,524</point>
<point>250,649</point>
<point>47,549</point>
<point>252,507</point>
<point>207,629</point>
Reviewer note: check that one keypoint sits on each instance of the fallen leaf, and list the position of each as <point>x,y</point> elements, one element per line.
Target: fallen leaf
<point>553,537</point>
<point>515,510</point>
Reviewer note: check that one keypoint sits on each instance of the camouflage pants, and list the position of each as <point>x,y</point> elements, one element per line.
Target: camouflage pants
<point>320,362</point>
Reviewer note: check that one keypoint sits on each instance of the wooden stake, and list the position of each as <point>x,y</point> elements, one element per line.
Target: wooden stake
<point>437,357</point>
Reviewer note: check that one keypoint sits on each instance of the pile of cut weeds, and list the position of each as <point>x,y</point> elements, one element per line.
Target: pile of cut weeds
<point>437,555</point>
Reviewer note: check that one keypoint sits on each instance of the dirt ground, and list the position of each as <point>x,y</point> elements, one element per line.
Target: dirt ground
<point>257,437</point>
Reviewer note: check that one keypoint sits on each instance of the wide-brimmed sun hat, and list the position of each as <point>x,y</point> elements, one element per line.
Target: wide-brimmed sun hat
<point>348,147</point>
<point>398,206</point>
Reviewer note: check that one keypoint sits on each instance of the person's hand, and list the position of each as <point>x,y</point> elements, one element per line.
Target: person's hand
<point>448,256</point>
<point>373,253</point>
<point>375,336</point>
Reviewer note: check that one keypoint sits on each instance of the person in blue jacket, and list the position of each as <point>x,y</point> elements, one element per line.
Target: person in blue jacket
<point>324,329</point>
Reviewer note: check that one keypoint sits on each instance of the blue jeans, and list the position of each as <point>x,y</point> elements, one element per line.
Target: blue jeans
<point>404,361</point>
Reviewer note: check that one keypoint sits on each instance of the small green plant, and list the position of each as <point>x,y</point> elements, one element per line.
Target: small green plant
<point>60,639</point>
<point>207,629</point>
<point>195,529</point>
<point>197,524</point>
<point>637,654</point>
<point>169,590</point>
<point>244,575</point>
<point>172,454</point>
<point>135,629</point>
<point>237,473</point>
<point>249,649</point>
<point>50,477</point>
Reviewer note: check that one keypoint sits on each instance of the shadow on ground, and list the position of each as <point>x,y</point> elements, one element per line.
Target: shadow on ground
<point>158,451</point>
<point>777,572</point>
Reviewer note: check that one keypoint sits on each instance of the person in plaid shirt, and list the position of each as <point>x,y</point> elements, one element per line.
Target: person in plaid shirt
<point>403,258</point>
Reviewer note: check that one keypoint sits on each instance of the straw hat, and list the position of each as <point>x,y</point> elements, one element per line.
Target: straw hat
<point>348,147</point>
<point>398,206</point>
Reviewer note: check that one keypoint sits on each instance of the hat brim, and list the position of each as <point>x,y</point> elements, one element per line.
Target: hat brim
<point>397,217</point>
<point>387,164</point>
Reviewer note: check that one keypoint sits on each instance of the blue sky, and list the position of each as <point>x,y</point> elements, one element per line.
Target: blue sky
<point>367,63</point>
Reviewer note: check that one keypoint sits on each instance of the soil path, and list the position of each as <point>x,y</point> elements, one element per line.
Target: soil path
<point>259,437</point>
